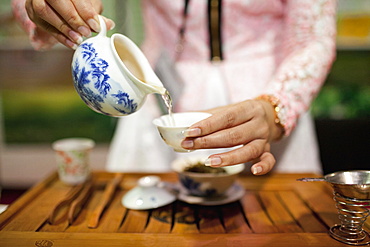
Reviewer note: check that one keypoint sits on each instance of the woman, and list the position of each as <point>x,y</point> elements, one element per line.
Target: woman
<point>256,64</point>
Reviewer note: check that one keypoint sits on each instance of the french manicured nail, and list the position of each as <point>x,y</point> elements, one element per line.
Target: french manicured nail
<point>113,25</point>
<point>71,44</point>
<point>187,144</point>
<point>256,170</point>
<point>84,31</point>
<point>94,25</point>
<point>192,132</point>
<point>214,161</point>
<point>76,37</point>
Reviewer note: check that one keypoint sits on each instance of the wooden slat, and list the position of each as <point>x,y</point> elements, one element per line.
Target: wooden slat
<point>160,220</point>
<point>112,217</point>
<point>36,212</point>
<point>209,220</point>
<point>184,220</point>
<point>60,227</point>
<point>301,213</point>
<point>234,219</point>
<point>135,221</point>
<point>26,198</point>
<point>367,223</point>
<point>278,213</point>
<point>109,192</point>
<point>133,240</point>
<point>276,181</point>
<point>323,206</point>
<point>256,216</point>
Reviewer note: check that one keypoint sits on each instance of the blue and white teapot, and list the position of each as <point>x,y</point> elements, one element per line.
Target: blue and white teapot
<point>112,75</point>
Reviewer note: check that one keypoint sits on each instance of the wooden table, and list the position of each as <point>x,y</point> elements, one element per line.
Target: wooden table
<point>276,210</point>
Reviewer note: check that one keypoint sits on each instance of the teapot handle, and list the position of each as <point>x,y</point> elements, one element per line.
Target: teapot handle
<point>103,27</point>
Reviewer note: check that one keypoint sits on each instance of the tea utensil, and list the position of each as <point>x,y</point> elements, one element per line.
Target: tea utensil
<point>107,197</point>
<point>79,202</point>
<point>311,179</point>
<point>351,184</point>
<point>67,200</point>
<point>352,197</point>
<point>112,75</point>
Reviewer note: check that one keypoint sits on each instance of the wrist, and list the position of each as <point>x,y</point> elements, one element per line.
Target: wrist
<point>272,109</point>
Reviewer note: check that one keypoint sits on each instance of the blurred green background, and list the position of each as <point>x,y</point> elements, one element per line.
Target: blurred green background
<point>346,92</point>
<point>39,104</point>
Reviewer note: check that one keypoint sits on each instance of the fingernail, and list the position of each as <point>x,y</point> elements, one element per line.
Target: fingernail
<point>113,25</point>
<point>192,132</point>
<point>71,44</point>
<point>94,25</point>
<point>84,31</point>
<point>214,161</point>
<point>187,144</point>
<point>256,170</point>
<point>75,36</point>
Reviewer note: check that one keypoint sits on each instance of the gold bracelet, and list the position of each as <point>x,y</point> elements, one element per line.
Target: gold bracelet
<point>275,103</point>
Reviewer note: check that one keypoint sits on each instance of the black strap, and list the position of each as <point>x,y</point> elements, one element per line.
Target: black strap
<point>184,17</point>
<point>180,43</point>
<point>214,29</point>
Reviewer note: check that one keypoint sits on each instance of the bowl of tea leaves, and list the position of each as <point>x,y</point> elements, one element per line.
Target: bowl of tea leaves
<point>200,180</point>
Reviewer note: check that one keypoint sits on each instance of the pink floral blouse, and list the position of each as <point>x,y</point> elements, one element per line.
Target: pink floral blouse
<point>283,48</point>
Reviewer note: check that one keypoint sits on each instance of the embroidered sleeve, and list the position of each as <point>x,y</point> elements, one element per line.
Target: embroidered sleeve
<point>309,51</point>
<point>40,40</point>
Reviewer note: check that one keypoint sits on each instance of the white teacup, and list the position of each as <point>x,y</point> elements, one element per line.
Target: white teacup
<point>173,130</point>
<point>72,155</point>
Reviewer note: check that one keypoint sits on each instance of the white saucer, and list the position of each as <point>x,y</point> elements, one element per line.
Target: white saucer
<point>235,193</point>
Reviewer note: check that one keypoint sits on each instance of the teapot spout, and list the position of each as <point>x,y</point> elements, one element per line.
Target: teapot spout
<point>151,88</point>
<point>150,83</point>
<point>135,65</point>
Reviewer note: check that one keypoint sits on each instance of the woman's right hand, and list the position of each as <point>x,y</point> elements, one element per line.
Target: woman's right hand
<point>68,20</point>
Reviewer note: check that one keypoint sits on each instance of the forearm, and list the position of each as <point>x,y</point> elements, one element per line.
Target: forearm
<point>309,53</point>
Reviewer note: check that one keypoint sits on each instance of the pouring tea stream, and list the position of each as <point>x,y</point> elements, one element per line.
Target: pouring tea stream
<point>112,75</point>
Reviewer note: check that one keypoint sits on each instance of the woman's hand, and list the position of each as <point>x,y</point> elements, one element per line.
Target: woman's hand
<point>249,124</point>
<point>67,21</point>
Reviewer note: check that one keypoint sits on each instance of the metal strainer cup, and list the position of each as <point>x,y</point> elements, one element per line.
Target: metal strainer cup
<point>352,196</point>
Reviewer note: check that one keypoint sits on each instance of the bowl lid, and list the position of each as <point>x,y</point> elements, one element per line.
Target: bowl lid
<point>147,195</point>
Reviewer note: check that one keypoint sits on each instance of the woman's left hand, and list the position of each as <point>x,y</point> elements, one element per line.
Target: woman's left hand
<point>249,124</point>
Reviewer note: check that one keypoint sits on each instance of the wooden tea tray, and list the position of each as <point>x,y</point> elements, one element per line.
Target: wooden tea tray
<point>276,210</point>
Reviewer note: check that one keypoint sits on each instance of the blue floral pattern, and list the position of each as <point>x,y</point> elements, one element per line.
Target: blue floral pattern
<point>194,187</point>
<point>124,99</point>
<point>96,73</point>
